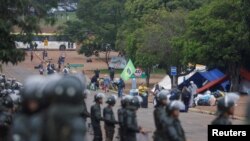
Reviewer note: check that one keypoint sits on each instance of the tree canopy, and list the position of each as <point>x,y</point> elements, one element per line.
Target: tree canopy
<point>170,32</point>
<point>217,36</point>
<point>25,15</point>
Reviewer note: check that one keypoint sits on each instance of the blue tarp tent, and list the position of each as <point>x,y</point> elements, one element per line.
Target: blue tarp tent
<point>200,78</point>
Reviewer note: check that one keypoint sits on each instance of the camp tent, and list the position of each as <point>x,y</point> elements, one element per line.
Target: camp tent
<point>207,80</point>
<point>166,81</point>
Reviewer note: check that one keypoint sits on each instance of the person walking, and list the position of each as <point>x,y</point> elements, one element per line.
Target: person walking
<point>97,73</point>
<point>192,89</point>
<point>121,86</point>
<point>185,97</point>
<point>31,56</point>
<point>96,116</point>
<point>109,118</point>
<point>106,82</point>
<point>156,91</point>
<point>112,73</point>
<point>225,108</point>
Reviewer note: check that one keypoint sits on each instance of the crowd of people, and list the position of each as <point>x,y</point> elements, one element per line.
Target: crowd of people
<point>107,82</point>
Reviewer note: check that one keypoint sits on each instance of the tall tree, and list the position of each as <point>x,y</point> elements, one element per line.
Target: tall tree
<point>25,15</point>
<point>102,18</point>
<point>217,36</point>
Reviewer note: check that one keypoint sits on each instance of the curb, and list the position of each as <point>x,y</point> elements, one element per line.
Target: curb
<point>213,113</point>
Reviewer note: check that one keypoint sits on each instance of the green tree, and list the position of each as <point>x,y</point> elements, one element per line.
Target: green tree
<point>102,18</point>
<point>24,15</point>
<point>217,36</point>
<point>184,4</point>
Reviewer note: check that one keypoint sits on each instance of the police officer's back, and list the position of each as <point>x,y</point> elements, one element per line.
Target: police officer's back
<point>160,115</point>
<point>122,114</point>
<point>109,118</point>
<point>173,129</point>
<point>96,116</point>
<point>28,123</point>
<point>225,108</point>
<point>63,122</point>
<point>131,125</point>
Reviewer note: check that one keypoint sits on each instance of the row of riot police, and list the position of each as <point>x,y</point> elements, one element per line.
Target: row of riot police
<point>166,115</point>
<point>52,109</point>
<point>126,118</point>
<point>9,103</point>
<point>168,127</point>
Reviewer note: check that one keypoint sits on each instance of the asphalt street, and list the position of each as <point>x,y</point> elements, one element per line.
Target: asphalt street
<point>194,124</point>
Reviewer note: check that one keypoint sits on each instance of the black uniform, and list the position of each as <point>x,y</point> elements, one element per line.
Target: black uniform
<point>221,120</point>
<point>26,127</point>
<point>174,130</point>
<point>121,117</point>
<point>62,119</point>
<point>64,124</point>
<point>161,120</point>
<point>110,122</point>
<point>95,121</point>
<point>131,126</point>
<point>5,123</point>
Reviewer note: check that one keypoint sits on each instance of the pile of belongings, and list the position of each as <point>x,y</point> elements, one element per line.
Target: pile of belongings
<point>206,99</point>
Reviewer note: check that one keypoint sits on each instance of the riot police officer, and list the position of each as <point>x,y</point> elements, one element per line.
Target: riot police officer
<point>26,125</point>
<point>173,129</point>
<point>5,117</point>
<point>121,115</point>
<point>160,115</point>
<point>96,116</point>
<point>225,108</point>
<point>109,118</point>
<point>130,123</point>
<point>63,122</point>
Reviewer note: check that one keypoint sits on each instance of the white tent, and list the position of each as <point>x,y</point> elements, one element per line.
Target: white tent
<point>166,81</point>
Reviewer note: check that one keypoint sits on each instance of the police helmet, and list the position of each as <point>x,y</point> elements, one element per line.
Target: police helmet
<point>32,88</point>
<point>162,95</point>
<point>225,103</point>
<point>68,90</point>
<point>125,100</point>
<point>175,105</point>
<point>99,96</point>
<point>111,100</point>
<point>8,102</point>
<point>136,102</point>
<point>49,86</point>
<point>86,93</point>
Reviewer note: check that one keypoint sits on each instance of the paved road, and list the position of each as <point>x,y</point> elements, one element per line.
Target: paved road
<point>195,124</point>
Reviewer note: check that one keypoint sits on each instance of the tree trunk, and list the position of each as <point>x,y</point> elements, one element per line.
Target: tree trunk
<point>107,53</point>
<point>234,73</point>
<point>147,71</point>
